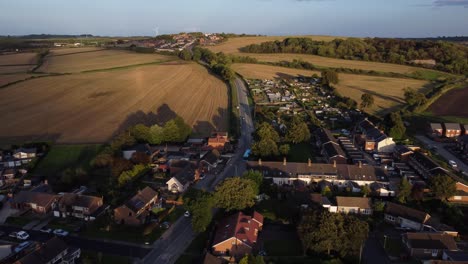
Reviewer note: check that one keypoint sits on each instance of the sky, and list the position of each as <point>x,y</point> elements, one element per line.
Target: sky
<point>359,18</point>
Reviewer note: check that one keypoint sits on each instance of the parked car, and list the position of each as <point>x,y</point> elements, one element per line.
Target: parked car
<point>22,246</point>
<point>453,164</point>
<point>22,235</point>
<point>187,214</point>
<point>165,225</point>
<point>45,230</point>
<point>60,232</point>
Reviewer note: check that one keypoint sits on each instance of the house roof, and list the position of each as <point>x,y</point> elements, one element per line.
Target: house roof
<point>402,149</point>
<point>435,126</point>
<point>361,202</point>
<point>239,226</point>
<point>371,132</point>
<point>73,199</point>
<point>45,253</point>
<point>26,150</point>
<point>429,164</point>
<point>406,212</point>
<point>452,126</point>
<point>141,199</point>
<point>39,198</point>
<point>324,136</point>
<point>140,148</point>
<point>211,156</point>
<point>183,171</point>
<point>431,241</point>
<point>333,149</point>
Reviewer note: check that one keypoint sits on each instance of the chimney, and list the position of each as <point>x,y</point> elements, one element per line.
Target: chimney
<point>334,163</point>
<point>360,164</point>
<point>309,163</point>
<point>260,162</point>
<point>284,161</point>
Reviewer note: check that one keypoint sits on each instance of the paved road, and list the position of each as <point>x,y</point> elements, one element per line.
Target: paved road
<point>373,252</point>
<point>443,152</point>
<point>178,237</point>
<point>109,247</point>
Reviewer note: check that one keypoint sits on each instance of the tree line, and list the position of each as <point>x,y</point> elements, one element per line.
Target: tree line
<point>449,57</point>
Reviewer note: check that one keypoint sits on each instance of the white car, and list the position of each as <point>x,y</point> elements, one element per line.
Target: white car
<point>22,246</point>
<point>45,230</point>
<point>60,232</point>
<point>453,164</point>
<point>187,214</point>
<point>22,235</point>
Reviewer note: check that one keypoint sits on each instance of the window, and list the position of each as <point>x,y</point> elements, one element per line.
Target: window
<point>435,252</point>
<point>129,213</point>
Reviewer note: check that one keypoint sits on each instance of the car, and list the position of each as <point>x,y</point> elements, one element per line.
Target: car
<point>187,214</point>
<point>453,164</point>
<point>60,232</point>
<point>13,234</point>
<point>22,235</point>
<point>165,225</point>
<point>22,246</point>
<point>45,230</point>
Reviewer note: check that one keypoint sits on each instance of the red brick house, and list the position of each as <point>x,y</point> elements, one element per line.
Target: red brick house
<point>38,202</point>
<point>77,205</point>
<point>436,130</point>
<point>461,196</point>
<point>452,130</point>
<point>136,210</point>
<point>237,235</point>
<point>424,246</point>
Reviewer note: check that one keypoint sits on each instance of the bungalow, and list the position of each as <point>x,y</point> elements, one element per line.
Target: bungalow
<point>52,251</point>
<point>372,139</point>
<point>461,196</point>
<point>435,130</point>
<point>339,175</point>
<point>237,235</point>
<point>218,140</point>
<point>77,205</point>
<point>137,209</point>
<point>38,202</point>
<point>354,205</point>
<point>424,246</point>
<point>183,173</point>
<point>405,217</point>
<point>452,130</point>
<point>425,166</point>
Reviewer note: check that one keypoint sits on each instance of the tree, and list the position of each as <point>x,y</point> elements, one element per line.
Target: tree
<point>395,125</point>
<point>414,98</point>
<point>298,132</point>
<point>185,55</point>
<point>266,131</point>
<point>367,100</point>
<point>329,77</point>
<point>176,130</point>
<point>404,190</point>
<point>365,191</point>
<point>140,132</point>
<point>265,148</point>
<point>196,54</point>
<point>200,208</point>
<point>379,206</point>
<point>122,140</point>
<point>284,149</point>
<point>250,259</point>
<point>156,135</point>
<point>235,194</point>
<point>443,186</point>
<point>256,177</point>
<point>326,191</point>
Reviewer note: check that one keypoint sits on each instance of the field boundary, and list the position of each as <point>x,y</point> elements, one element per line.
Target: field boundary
<point>125,67</point>
<point>78,52</point>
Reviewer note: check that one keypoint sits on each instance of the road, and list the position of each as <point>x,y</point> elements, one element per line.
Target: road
<point>106,247</point>
<point>443,152</point>
<point>178,237</point>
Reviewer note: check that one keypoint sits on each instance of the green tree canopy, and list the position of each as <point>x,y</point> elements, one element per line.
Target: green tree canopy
<point>140,132</point>
<point>395,126</point>
<point>235,194</point>
<point>256,177</point>
<point>200,208</point>
<point>367,100</point>
<point>298,132</point>
<point>284,149</point>
<point>185,55</point>
<point>443,186</point>
<point>404,191</point>
<point>156,135</point>
<point>265,148</point>
<point>267,131</point>
<point>250,259</point>
<point>329,77</point>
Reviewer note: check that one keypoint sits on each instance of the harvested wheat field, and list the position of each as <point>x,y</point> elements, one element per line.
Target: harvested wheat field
<point>232,45</point>
<point>10,78</point>
<point>453,103</point>
<point>18,59</point>
<point>103,59</point>
<point>387,92</point>
<point>15,69</point>
<point>91,107</point>
<point>65,51</point>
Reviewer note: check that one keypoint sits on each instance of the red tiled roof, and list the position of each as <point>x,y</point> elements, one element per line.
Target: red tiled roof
<point>240,226</point>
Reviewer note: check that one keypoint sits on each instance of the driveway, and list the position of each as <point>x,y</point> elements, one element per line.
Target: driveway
<point>443,152</point>
<point>6,212</point>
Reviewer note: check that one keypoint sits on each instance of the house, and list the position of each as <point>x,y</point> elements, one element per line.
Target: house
<point>136,210</point>
<point>405,217</point>
<point>461,196</point>
<point>128,153</point>
<point>333,153</point>
<point>435,130</point>
<point>25,153</point>
<point>402,153</point>
<point>323,201</point>
<point>372,139</point>
<point>77,205</point>
<point>354,205</point>
<point>425,166</point>
<point>452,130</point>
<point>382,190</point>
<point>52,251</point>
<point>237,234</point>
<point>38,202</point>
<point>210,160</point>
<point>217,140</point>
<point>339,175</point>
<point>183,173</point>
<point>424,246</point>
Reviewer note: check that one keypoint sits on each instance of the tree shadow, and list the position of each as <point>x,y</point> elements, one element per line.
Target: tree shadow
<point>19,140</point>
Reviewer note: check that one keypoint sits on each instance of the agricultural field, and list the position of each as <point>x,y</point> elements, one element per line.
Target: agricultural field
<point>10,78</point>
<point>65,51</point>
<point>95,60</point>
<point>232,45</point>
<point>92,107</point>
<point>15,69</point>
<point>18,59</point>
<point>387,92</point>
<point>453,103</point>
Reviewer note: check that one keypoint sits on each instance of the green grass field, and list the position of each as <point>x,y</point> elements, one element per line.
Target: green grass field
<point>61,157</point>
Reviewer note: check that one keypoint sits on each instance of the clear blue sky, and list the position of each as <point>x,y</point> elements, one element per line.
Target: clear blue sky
<point>383,18</point>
